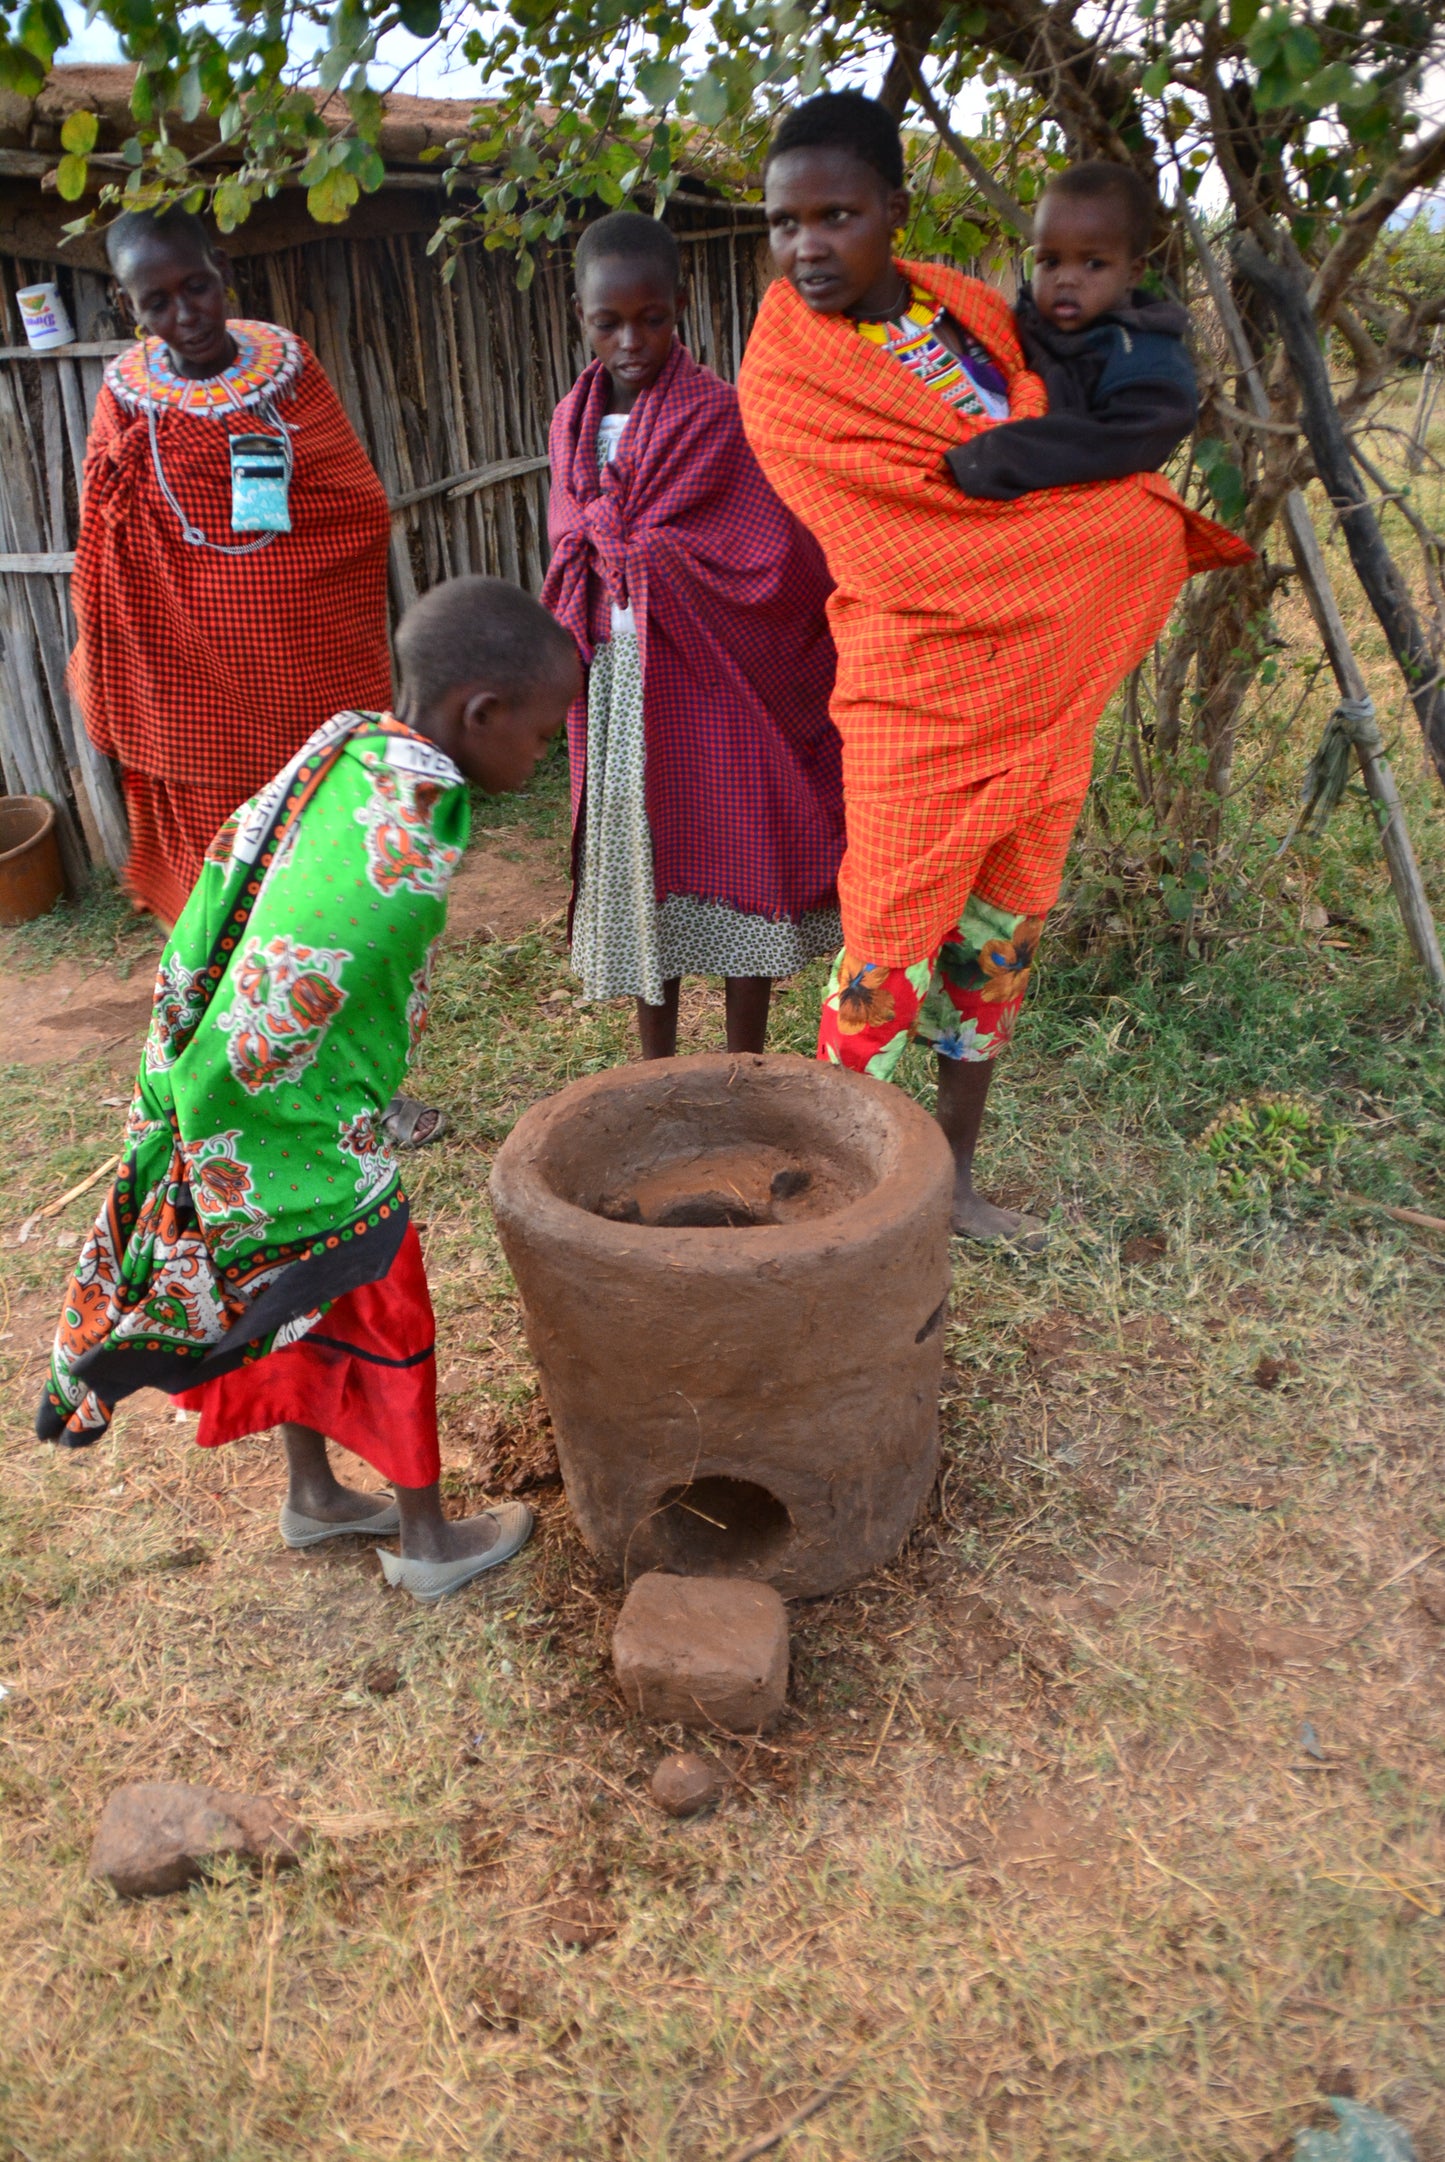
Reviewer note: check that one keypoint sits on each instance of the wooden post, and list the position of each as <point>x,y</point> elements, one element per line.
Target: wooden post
<point>1430,378</point>
<point>1410,895</point>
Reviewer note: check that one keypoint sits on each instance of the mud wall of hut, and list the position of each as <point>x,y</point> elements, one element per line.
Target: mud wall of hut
<point>450,385</point>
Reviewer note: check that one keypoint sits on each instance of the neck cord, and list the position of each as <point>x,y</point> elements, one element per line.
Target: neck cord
<point>192,533</point>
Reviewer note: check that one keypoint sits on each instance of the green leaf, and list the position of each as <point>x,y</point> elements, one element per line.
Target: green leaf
<point>423,18</point>
<point>365,108</point>
<point>658,82</point>
<point>79,133</point>
<point>1156,76</point>
<point>230,205</point>
<point>43,30</point>
<point>71,175</point>
<point>1361,92</point>
<point>188,95</point>
<point>20,71</point>
<point>1301,50</point>
<point>526,269</point>
<point>330,199</point>
<point>708,98</point>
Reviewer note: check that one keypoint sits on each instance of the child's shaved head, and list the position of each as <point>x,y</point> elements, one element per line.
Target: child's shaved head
<point>1120,188</point>
<point>479,631</point>
<point>626,236</point>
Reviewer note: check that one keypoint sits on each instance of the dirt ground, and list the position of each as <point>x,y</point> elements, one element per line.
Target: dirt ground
<point>1107,1824</point>
<point>509,882</point>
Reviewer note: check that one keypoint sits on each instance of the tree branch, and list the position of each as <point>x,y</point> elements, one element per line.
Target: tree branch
<point>1012,212</point>
<point>1419,167</point>
<point>1283,281</point>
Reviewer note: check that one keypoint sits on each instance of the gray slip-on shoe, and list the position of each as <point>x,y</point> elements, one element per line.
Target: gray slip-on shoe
<point>433,1580</point>
<point>1030,1236</point>
<point>298,1530</point>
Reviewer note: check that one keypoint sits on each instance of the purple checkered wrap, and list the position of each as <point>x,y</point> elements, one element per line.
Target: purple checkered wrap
<point>744,775</point>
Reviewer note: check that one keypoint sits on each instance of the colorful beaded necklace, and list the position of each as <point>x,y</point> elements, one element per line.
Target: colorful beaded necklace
<point>972,384</point>
<point>268,365</point>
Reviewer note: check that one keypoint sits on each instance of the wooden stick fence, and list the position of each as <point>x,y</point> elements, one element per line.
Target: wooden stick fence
<point>449,385</point>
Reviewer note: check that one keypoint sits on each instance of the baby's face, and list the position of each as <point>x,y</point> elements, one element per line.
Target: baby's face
<point>1084,260</point>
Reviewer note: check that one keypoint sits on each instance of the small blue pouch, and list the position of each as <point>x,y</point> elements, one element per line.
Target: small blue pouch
<point>260,484</point>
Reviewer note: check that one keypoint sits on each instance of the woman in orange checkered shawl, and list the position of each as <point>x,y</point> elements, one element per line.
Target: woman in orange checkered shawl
<point>977,641</point>
<point>210,651</point>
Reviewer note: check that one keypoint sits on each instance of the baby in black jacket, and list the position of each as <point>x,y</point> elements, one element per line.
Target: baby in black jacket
<point>1121,386</point>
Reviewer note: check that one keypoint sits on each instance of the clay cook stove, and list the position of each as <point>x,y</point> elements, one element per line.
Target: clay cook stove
<point>734,1273</point>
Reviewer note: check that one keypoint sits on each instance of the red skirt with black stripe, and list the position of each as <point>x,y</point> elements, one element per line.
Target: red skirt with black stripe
<point>365,1377</point>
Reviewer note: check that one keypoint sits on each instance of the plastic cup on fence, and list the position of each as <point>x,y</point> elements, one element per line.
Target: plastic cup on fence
<point>43,313</point>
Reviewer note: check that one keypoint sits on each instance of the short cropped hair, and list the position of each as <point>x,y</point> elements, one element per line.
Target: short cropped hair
<point>843,120</point>
<point>133,227</point>
<point>477,630</point>
<point>1097,181</point>
<point>627,236</point>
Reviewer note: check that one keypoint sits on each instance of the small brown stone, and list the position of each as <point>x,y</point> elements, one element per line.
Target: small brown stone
<point>709,1651</point>
<point>685,1784</point>
<point>159,1836</point>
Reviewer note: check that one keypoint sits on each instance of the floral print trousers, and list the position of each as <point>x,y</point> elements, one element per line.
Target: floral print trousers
<point>964,999</point>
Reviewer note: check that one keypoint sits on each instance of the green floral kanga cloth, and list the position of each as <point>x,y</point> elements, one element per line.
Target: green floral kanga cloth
<point>257,1185</point>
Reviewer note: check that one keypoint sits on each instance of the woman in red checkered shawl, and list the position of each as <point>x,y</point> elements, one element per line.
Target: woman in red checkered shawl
<point>223,614</point>
<point>706,781</point>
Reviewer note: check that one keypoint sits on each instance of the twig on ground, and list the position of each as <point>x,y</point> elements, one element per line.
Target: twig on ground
<point>53,1208</point>
<point>1165,1871</point>
<point>887,1723</point>
<point>1411,1566</point>
<point>765,2142</point>
<point>1416,1217</point>
<point>436,1990</point>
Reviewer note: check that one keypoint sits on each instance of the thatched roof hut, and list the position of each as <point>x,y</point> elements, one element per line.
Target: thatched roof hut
<point>450,386</point>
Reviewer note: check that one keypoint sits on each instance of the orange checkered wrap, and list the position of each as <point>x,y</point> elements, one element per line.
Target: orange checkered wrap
<point>977,641</point>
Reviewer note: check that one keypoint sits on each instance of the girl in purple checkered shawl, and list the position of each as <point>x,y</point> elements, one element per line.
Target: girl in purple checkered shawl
<point>706,775</point>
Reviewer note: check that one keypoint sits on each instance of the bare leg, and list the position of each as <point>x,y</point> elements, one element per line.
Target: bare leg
<point>314,1487</point>
<point>426,1535</point>
<point>963,1086</point>
<point>746,1002</point>
<point>657,1025</point>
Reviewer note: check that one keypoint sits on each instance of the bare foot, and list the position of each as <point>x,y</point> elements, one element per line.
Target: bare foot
<point>339,1504</point>
<point>976,1218</point>
<point>455,1539</point>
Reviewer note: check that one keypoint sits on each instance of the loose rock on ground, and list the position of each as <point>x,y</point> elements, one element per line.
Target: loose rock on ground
<point>708,1651</point>
<point>159,1836</point>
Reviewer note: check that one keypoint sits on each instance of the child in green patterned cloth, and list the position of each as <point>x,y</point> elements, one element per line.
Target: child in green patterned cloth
<point>255,1256</point>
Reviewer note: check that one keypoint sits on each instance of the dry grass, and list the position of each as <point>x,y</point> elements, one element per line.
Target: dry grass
<point>1107,1823</point>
